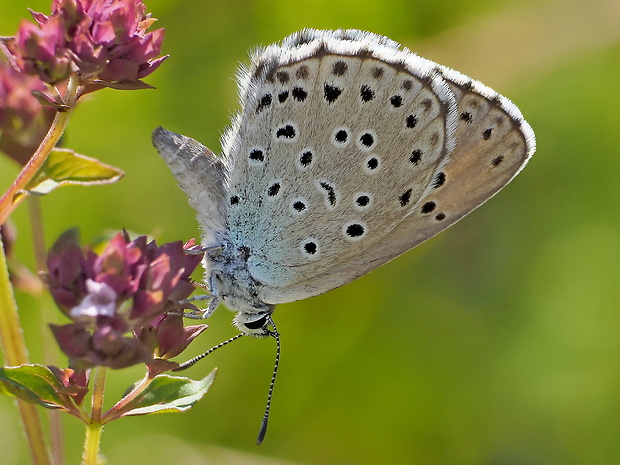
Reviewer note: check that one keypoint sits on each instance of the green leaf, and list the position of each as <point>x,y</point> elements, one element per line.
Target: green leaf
<point>36,384</point>
<point>64,167</point>
<point>169,394</point>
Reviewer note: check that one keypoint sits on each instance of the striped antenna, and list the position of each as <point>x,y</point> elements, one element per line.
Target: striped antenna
<point>191,362</point>
<point>263,426</point>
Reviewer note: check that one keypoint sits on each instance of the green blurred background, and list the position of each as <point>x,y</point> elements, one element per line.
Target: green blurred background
<point>495,343</point>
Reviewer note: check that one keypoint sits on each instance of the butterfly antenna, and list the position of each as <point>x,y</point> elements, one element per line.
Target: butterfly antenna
<point>263,426</point>
<point>193,361</point>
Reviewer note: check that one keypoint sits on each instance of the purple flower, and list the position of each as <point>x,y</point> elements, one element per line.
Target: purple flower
<point>69,267</point>
<point>23,120</point>
<point>173,338</point>
<point>169,338</point>
<point>40,51</point>
<point>120,302</point>
<point>100,301</point>
<point>75,382</point>
<point>103,41</point>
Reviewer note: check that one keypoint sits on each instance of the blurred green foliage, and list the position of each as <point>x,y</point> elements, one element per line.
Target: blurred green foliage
<point>493,344</point>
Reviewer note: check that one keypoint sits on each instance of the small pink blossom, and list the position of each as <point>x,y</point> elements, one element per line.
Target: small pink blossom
<point>100,301</point>
<point>124,303</point>
<point>75,382</point>
<point>106,42</point>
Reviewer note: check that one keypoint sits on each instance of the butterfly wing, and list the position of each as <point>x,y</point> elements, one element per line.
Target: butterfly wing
<point>340,136</point>
<point>348,152</point>
<point>201,175</point>
<point>493,144</point>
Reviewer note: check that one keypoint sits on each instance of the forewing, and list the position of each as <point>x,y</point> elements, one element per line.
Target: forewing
<point>339,138</point>
<point>493,143</point>
<point>317,207</point>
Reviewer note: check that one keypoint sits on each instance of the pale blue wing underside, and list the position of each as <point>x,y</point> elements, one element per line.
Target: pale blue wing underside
<point>348,151</point>
<point>315,211</point>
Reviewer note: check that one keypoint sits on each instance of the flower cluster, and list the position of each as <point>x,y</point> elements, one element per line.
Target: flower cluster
<point>124,303</point>
<point>103,41</point>
<point>23,121</point>
<point>75,383</point>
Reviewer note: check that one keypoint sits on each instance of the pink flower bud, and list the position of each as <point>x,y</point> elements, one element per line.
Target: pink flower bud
<point>104,41</point>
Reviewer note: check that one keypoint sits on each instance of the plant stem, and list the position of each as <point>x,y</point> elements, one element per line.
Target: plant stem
<point>91,444</point>
<point>97,398</point>
<point>95,427</point>
<point>13,344</point>
<point>9,201</point>
<point>38,236</point>
<point>15,353</point>
<point>38,246</point>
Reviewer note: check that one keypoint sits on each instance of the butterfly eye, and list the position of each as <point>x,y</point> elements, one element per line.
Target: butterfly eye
<point>256,324</point>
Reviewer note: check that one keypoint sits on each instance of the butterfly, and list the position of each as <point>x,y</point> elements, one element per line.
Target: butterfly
<point>348,151</point>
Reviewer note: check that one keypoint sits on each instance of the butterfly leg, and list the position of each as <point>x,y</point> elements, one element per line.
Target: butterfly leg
<point>201,314</point>
<point>199,250</point>
<point>211,308</point>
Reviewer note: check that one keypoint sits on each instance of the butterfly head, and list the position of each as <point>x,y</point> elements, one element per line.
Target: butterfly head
<point>254,324</point>
<point>233,287</point>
